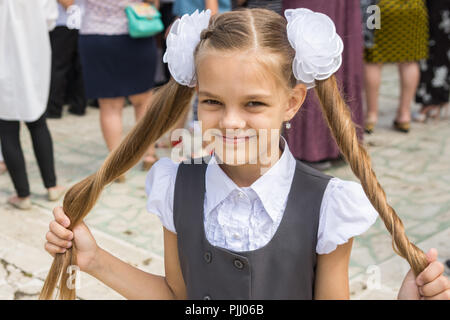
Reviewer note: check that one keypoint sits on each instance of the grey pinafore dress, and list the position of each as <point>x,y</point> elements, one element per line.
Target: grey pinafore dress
<point>282,269</point>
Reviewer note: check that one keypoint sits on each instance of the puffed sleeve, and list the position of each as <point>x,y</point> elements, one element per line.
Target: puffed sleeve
<point>159,187</point>
<point>345,212</point>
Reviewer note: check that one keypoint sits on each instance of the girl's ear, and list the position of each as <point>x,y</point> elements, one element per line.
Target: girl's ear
<point>298,96</point>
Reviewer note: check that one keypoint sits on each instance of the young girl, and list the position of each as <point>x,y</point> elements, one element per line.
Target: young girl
<point>231,232</point>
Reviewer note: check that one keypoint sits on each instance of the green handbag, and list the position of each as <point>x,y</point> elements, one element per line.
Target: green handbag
<point>144,20</point>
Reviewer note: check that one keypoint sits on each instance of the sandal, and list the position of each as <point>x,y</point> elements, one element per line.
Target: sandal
<point>120,179</point>
<point>20,203</point>
<point>401,126</point>
<point>55,193</point>
<point>369,126</point>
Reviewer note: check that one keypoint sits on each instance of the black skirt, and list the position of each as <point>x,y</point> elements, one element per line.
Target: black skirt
<point>117,65</point>
<point>434,86</point>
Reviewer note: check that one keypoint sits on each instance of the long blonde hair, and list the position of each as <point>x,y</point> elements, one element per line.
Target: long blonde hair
<point>236,30</point>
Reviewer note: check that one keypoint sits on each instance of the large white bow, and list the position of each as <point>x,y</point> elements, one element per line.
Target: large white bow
<point>184,35</point>
<point>318,48</point>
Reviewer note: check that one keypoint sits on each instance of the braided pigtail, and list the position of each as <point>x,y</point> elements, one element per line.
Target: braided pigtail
<point>168,104</point>
<point>338,117</point>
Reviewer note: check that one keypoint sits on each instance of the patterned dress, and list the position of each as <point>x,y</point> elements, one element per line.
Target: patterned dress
<point>403,32</point>
<point>434,87</point>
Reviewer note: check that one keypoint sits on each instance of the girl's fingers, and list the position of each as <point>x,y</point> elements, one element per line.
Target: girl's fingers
<point>435,287</point>
<point>432,255</point>
<point>52,249</point>
<point>441,296</point>
<point>431,272</point>
<point>60,231</point>
<point>53,239</point>
<point>61,217</point>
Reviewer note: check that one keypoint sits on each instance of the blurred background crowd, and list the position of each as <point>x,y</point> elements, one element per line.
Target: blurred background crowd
<point>78,53</point>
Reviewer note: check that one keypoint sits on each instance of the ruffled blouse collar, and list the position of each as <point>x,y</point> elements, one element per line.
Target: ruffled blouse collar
<point>272,188</point>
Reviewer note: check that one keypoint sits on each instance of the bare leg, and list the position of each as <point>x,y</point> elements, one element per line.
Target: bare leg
<point>372,81</point>
<point>111,120</point>
<point>426,111</point>
<point>2,167</point>
<point>140,103</point>
<point>446,107</point>
<point>409,80</point>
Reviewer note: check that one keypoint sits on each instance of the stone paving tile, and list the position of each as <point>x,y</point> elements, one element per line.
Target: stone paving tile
<point>25,264</point>
<point>412,168</point>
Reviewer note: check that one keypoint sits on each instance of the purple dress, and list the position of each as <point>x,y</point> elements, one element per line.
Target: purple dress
<point>309,137</point>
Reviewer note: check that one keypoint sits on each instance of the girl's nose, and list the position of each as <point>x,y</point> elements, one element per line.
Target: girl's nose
<point>232,120</point>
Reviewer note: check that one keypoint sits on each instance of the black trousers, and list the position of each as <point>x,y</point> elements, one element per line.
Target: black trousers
<point>13,154</point>
<point>66,84</point>
<point>167,18</point>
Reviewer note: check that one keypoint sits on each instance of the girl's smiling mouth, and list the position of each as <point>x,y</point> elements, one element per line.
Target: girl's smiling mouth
<point>231,139</point>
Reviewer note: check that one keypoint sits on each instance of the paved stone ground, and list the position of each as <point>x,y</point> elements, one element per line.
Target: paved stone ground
<point>413,168</point>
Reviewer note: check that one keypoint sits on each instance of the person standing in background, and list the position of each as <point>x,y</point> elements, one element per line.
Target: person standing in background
<point>182,7</point>
<point>274,5</point>
<point>309,136</point>
<point>401,39</point>
<point>67,78</point>
<point>116,66</point>
<point>434,86</point>
<point>167,17</point>
<point>25,58</point>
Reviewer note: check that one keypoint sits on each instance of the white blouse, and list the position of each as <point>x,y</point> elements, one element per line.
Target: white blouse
<point>243,219</point>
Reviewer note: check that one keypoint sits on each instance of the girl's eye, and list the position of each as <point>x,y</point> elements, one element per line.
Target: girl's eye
<point>255,104</point>
<point>210,101</point>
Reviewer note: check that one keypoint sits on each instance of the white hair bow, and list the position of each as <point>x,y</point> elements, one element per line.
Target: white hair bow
<point>183,37</point>
<point>318,48</point>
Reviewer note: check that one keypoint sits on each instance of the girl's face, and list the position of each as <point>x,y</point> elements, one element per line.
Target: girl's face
<point>242,107</point>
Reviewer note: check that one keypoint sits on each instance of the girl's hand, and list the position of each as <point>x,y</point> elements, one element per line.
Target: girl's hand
<point>430,284</point>
<point>59,238</point>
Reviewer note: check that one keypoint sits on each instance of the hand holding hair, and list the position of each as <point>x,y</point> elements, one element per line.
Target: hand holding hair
<point>430,284</point>
<point>60,238</point>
